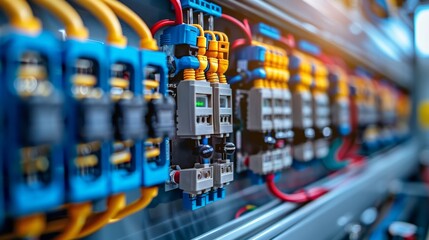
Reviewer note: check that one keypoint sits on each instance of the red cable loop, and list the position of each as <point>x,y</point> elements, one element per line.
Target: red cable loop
<point>299,197</point>
<point>167,22</point>
<point>240,25</point>
<point>160,24</point>
<point>238,43</point>
<point>178,11</point>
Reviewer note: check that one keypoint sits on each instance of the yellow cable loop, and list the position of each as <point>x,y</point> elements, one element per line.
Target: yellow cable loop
<point>105,15</point>
<point>20,15</point>
<point>225,37</point>
<point>68,15</point>
<point>212,54</point>
<point>202,48</point>
<point>78,214</point>
<point>199,28</point>
<point>219,34</point>
<point>147,195</point>
<point>223,62</point>
<point>114,204</point>
<point>30,226</point>
<point>131,18</point>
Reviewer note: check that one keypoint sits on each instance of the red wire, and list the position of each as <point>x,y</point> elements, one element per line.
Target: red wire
<point>160,24</point>
<point>238,43</point>
<point>247,26</point>
<point>240,25</point>
<point>167,22</point>
<point>299,197</point>
<point>240,211</point>
<point>178,11</point>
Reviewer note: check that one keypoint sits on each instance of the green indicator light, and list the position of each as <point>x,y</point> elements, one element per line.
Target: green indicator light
<point>200,103</point>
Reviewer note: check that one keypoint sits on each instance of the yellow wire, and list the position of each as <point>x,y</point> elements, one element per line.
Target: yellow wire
<point>30,226</point>
<point>55,226</point>
<point>77,213</point>
<point>199,28</point>
<point>225,37</point>
<point>212,34</point>
<point>219,34</point>
<point>20,15</point>
<point>114,204</point>
<point>105,15</point>
<point>68,15</point>
<point>147,194</point>
<point>131,18</point>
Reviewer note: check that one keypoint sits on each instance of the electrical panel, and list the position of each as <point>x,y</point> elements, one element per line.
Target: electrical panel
<point>199,102</point>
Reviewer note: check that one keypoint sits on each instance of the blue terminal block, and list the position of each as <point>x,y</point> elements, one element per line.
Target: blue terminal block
<point>309,47</point>
<point>194,202</point>
<point>88,121</point>
<point>180,40</point>
<point>250,53</point>
<point>215,195</point>
<point>33,124</point>
<point>156,172</point>
<point>180,34</point>
<point>266,31</point>
<point>128,119</point>
<point>203,6</point>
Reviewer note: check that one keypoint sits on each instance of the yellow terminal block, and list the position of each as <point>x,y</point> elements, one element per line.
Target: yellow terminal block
<point>223,55</point>
<point>320,84</point>
<point>202,49</point>
<point>212,54</point>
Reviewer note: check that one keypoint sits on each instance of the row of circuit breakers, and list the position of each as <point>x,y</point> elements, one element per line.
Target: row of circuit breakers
<point>82,120</point>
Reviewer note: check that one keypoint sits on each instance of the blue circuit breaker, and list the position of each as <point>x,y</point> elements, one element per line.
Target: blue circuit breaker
<point>33,125</point>
<point>203,6</point>
<point>156,171</point>
<point>88,114</point>
<point>126,91</point>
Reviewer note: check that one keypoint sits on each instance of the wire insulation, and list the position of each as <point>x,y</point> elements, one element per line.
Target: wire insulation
<point>147,195</point>
<point>20,15</point>
<point>30,226</point>
<point>77,215</point>
<point>178,11</point>
<point>244,209</point>
<point>132,19</point>
<point>299,197</point>
<point>161,24</point>
<point>114,204</point>
<point>68,15</point>
<point>106,16</point>
<point>246,30</point>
